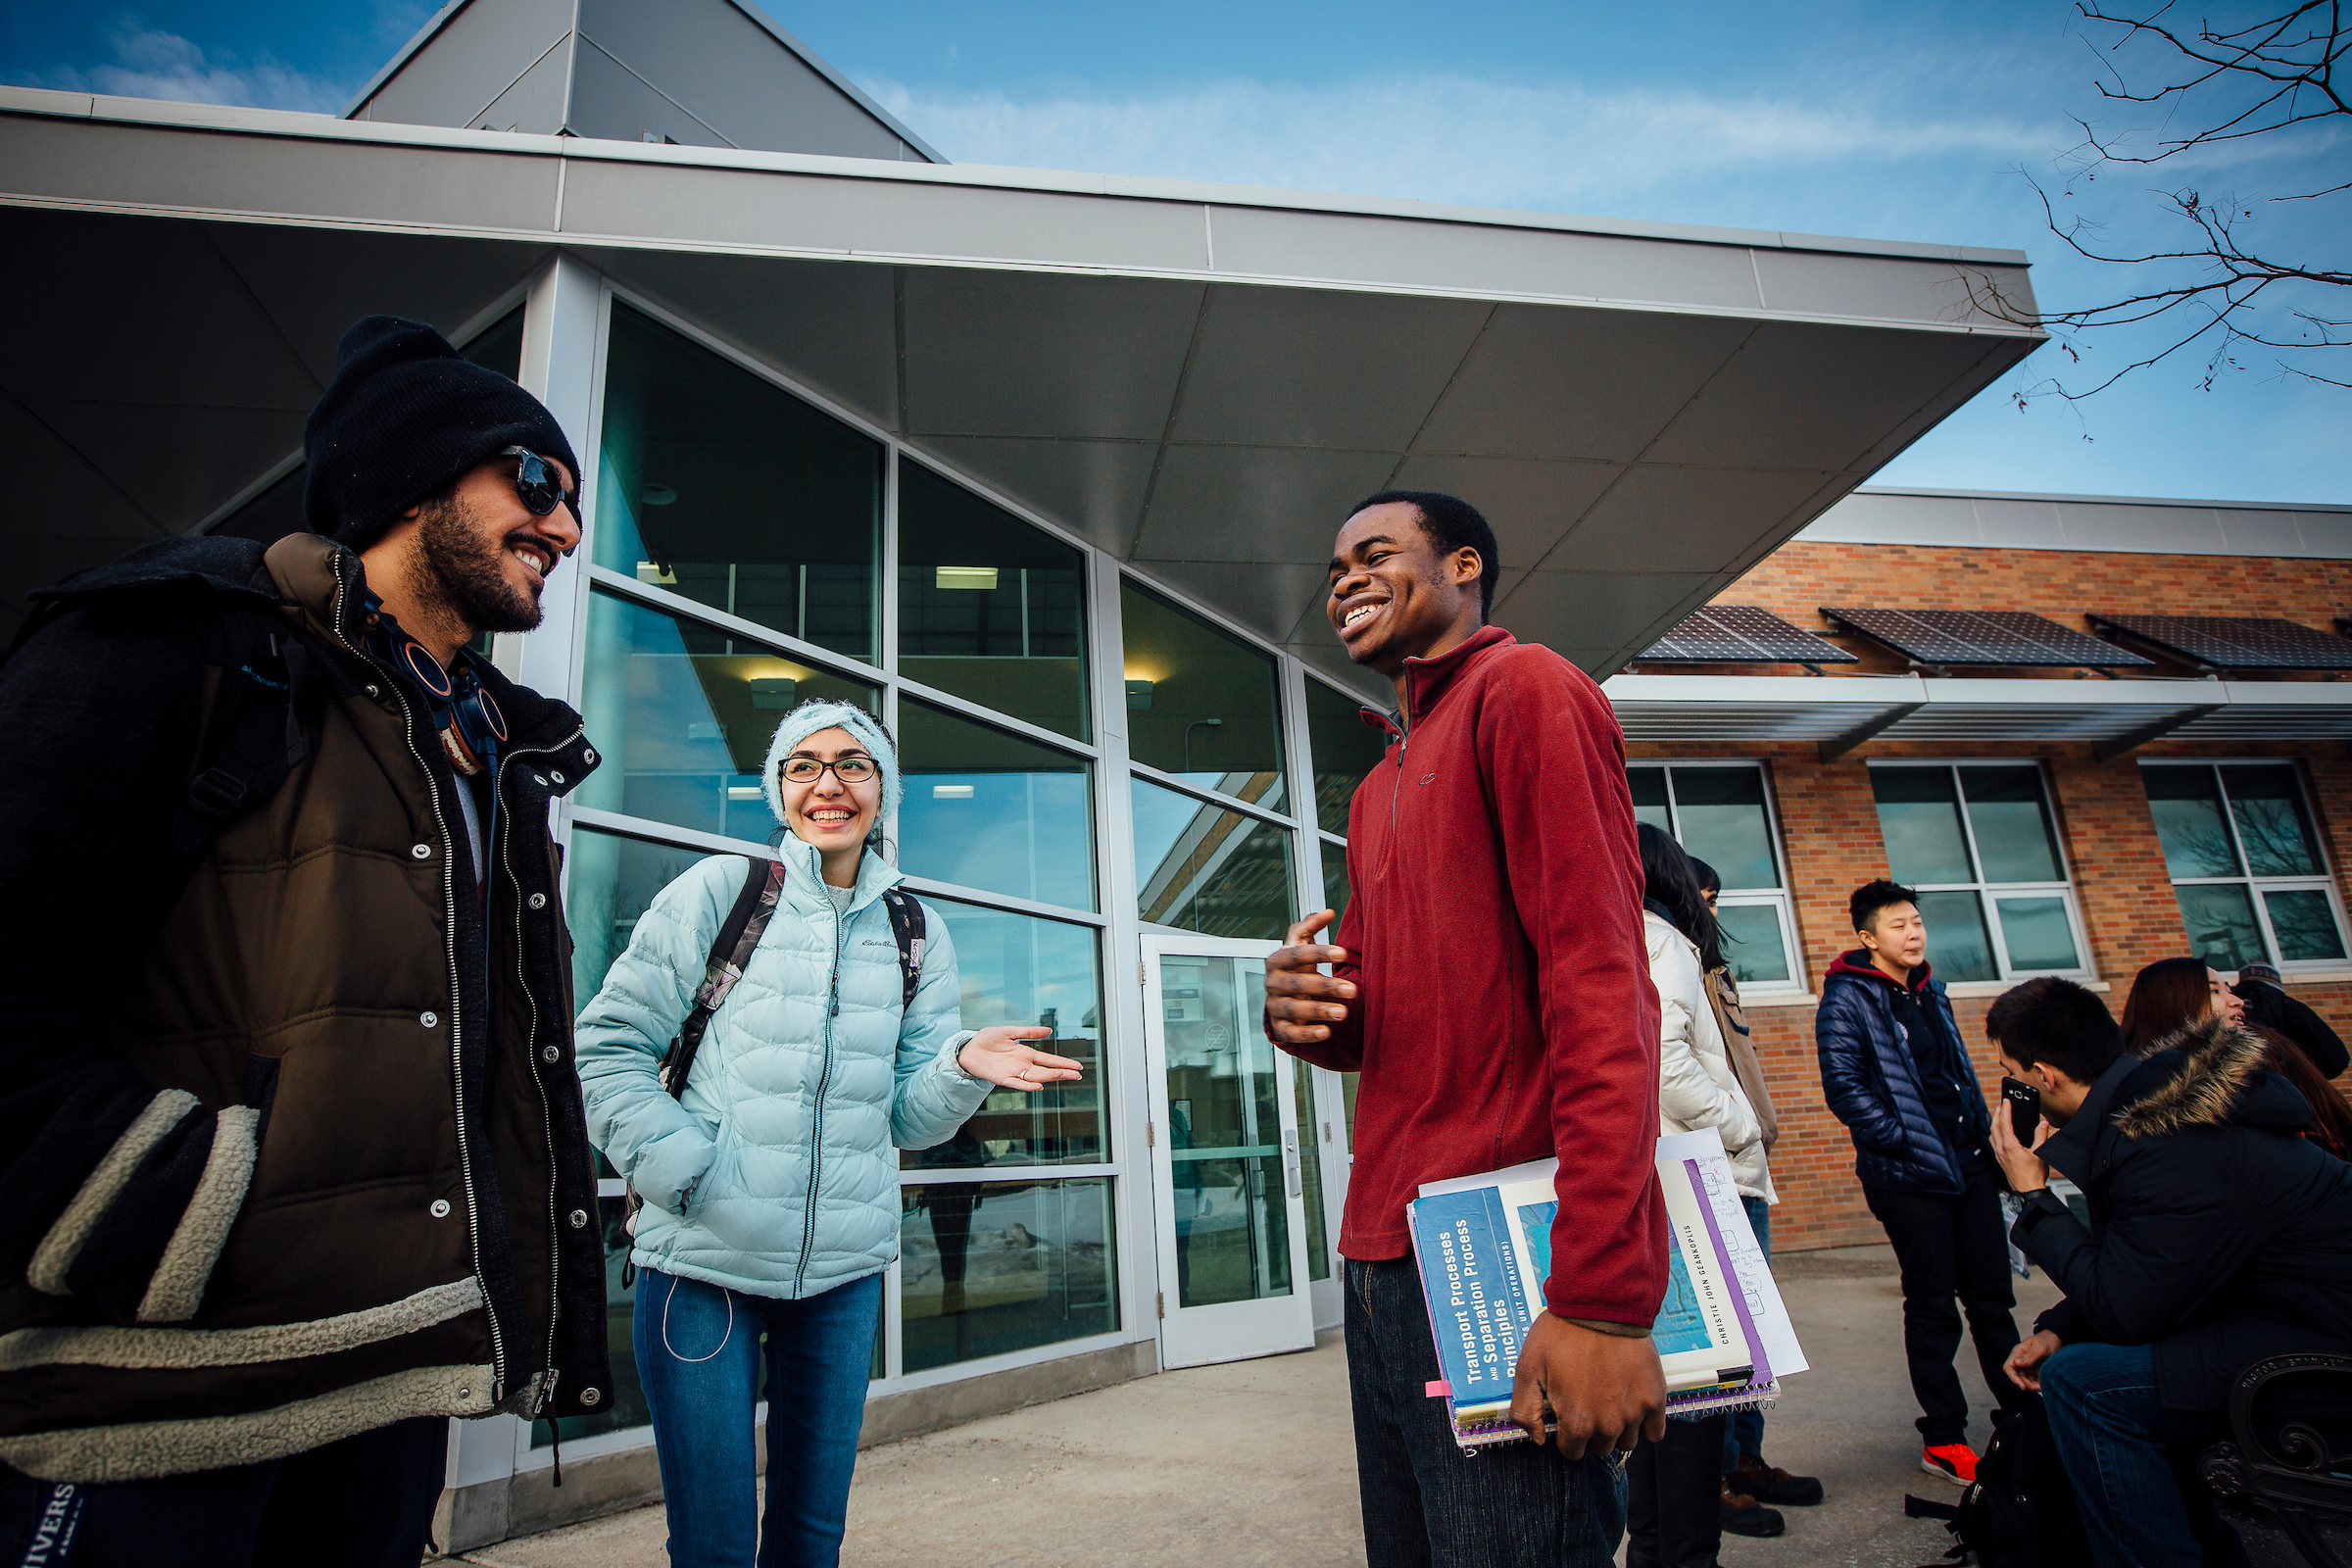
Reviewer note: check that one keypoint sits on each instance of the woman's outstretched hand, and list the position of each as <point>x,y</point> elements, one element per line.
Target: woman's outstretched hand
<point>1002,1056</point>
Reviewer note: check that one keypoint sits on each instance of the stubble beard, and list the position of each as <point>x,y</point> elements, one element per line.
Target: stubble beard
<point>466,573</point>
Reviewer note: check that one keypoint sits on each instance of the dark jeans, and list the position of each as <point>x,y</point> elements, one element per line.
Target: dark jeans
<point>1743,1429</point>
<point>699,1353</point>
<point>1673,1493</point>
<point>1509,1505</point>
<point>2112,1431</point>
<point>1952,1245</point>
<point>364,1503</point>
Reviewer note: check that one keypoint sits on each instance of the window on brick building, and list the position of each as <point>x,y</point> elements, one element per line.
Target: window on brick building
<point>2246,863</point>
<point>1979,842</point>
<point>1722,814</point>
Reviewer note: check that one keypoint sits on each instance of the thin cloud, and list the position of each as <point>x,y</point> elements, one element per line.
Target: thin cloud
<point>1446,138</point>
<point>149,62</point>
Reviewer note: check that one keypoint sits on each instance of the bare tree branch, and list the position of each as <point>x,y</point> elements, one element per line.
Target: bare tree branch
<point>2223,287</point>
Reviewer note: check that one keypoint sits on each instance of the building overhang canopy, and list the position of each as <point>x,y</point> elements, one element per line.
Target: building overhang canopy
<point>1199,379</point>
<point>1842,712</point>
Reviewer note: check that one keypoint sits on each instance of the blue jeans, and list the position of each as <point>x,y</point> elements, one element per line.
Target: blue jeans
<point>2112,1429</point>
<point>699,1353</point>
<point>364,1503</point>
<point>1743,1429</point>
<point>1511,1505</point>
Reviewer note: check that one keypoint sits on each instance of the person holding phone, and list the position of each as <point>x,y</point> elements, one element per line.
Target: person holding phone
<point>772,1193</point>
<point>2216,1239</point>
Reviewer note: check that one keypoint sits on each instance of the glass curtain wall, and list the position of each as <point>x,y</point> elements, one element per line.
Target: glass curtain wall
<point>741,538</point>
<point>1981,845</point>
<point>2246,863</point>
<point>1212,840</point>
<point>1721,813</point>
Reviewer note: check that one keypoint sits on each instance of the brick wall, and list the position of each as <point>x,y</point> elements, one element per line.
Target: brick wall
<point>1829,829</point>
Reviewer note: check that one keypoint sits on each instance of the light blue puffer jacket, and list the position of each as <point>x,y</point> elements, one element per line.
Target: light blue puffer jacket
<point>774,1174</point>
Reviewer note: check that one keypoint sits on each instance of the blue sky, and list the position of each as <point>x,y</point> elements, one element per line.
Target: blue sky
<point>1901,123</point>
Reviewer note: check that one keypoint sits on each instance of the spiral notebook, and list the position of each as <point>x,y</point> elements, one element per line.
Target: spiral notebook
<point>1484,1246</point>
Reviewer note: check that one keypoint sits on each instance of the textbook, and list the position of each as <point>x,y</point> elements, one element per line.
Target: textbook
<point>1483,1245</point>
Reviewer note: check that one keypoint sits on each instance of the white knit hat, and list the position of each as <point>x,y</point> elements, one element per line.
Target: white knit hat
<point>820,714</point>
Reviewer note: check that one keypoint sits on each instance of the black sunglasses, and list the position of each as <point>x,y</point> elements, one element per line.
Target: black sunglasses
<point>535,482</point>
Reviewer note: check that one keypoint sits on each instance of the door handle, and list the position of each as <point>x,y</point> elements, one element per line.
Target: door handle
<point>1290,1158</point>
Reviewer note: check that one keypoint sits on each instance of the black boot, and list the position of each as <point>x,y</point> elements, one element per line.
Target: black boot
<point>1771,1484</point>
<point>1742,1515</point>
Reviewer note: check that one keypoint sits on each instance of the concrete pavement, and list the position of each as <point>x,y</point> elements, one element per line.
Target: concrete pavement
<point>1253,1462</point>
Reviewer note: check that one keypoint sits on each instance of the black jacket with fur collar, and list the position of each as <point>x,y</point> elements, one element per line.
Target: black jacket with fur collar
<point>2216,1234</point>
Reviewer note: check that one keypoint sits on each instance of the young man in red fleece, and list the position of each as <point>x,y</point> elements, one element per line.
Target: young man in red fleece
<point>1492,985</point>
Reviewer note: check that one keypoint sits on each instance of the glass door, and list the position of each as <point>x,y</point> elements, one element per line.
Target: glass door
<point>1225,1157</point>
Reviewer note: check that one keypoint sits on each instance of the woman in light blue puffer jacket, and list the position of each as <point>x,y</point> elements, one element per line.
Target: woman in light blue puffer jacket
<point>772,1193</point>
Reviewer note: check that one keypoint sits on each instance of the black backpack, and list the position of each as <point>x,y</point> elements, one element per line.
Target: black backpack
<point>250,727</point>
<point>2020,1512</point>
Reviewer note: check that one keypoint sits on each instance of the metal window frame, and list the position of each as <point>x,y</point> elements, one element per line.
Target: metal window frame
<point>2324,880</point>
<point>1989,894</point>
<point>1779,897</point>
<point>1102,579</point>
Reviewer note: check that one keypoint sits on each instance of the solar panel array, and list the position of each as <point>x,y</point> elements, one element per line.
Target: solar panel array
<point>2230,642</point>
<point>2016,637</point>
<point>1742,634</point>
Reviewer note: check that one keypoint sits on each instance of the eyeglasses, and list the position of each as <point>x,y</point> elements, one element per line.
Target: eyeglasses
<point>536,483</point>
<point>848,770</point>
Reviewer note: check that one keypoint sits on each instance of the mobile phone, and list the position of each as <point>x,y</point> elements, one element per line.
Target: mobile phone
<point>2025,1109</point>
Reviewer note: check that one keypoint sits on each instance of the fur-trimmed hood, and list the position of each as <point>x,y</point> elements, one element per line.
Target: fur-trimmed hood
<point>2206,1074</point>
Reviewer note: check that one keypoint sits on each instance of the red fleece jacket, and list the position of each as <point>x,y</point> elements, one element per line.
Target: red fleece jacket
<point>1504,1010</point>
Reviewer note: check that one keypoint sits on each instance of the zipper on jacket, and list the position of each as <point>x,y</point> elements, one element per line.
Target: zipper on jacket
<point>824,1081</point>
<point>530,1050</point>
<point>449,939</point>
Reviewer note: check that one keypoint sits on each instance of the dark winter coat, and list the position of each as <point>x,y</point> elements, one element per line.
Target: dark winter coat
<point>2218,1233</point>
<point>1871,1081</point>
<point>293,1138</point>
<point>2291,1017</point>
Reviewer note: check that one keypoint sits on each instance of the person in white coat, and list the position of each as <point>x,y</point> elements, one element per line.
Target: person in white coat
<point>1675,1516</point>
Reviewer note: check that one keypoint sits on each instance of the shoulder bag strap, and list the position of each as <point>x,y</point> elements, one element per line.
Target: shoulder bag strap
<point>906,923</point>
<point>738,938</point>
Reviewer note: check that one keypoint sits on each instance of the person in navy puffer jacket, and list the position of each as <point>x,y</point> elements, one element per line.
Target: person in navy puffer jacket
<point>1895,1070</point>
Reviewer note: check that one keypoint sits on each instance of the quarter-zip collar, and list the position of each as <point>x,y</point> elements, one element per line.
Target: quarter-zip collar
<point>1428,680</point>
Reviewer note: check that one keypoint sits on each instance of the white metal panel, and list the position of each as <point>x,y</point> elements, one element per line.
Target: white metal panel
<point>1502,261</point>
<point>1255,503</point>
<point>1017,354</point>
<point>1314,367</point>
<point>643,200</point>
<point>1529,502</point>
<point>1535,386</point>
<point>1692,517</point>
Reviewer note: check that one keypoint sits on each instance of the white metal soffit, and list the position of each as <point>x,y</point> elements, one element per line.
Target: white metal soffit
<point>1840,712</point>
<point>1198,379</point>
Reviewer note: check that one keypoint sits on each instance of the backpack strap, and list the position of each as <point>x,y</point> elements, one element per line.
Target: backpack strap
<point>252,734</point>
<point>738,938</point>
<point>906,923</point>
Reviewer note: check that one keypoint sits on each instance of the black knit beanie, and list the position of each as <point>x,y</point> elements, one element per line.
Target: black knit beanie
<point>406,416</point>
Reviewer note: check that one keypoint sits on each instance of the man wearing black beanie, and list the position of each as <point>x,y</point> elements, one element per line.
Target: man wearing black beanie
<point>288,1110</point>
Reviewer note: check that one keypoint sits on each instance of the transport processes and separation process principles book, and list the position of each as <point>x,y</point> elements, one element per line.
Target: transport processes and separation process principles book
<point>1484,1245</point>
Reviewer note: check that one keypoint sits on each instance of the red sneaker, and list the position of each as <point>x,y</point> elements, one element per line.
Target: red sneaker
<point>1956,1462</point>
